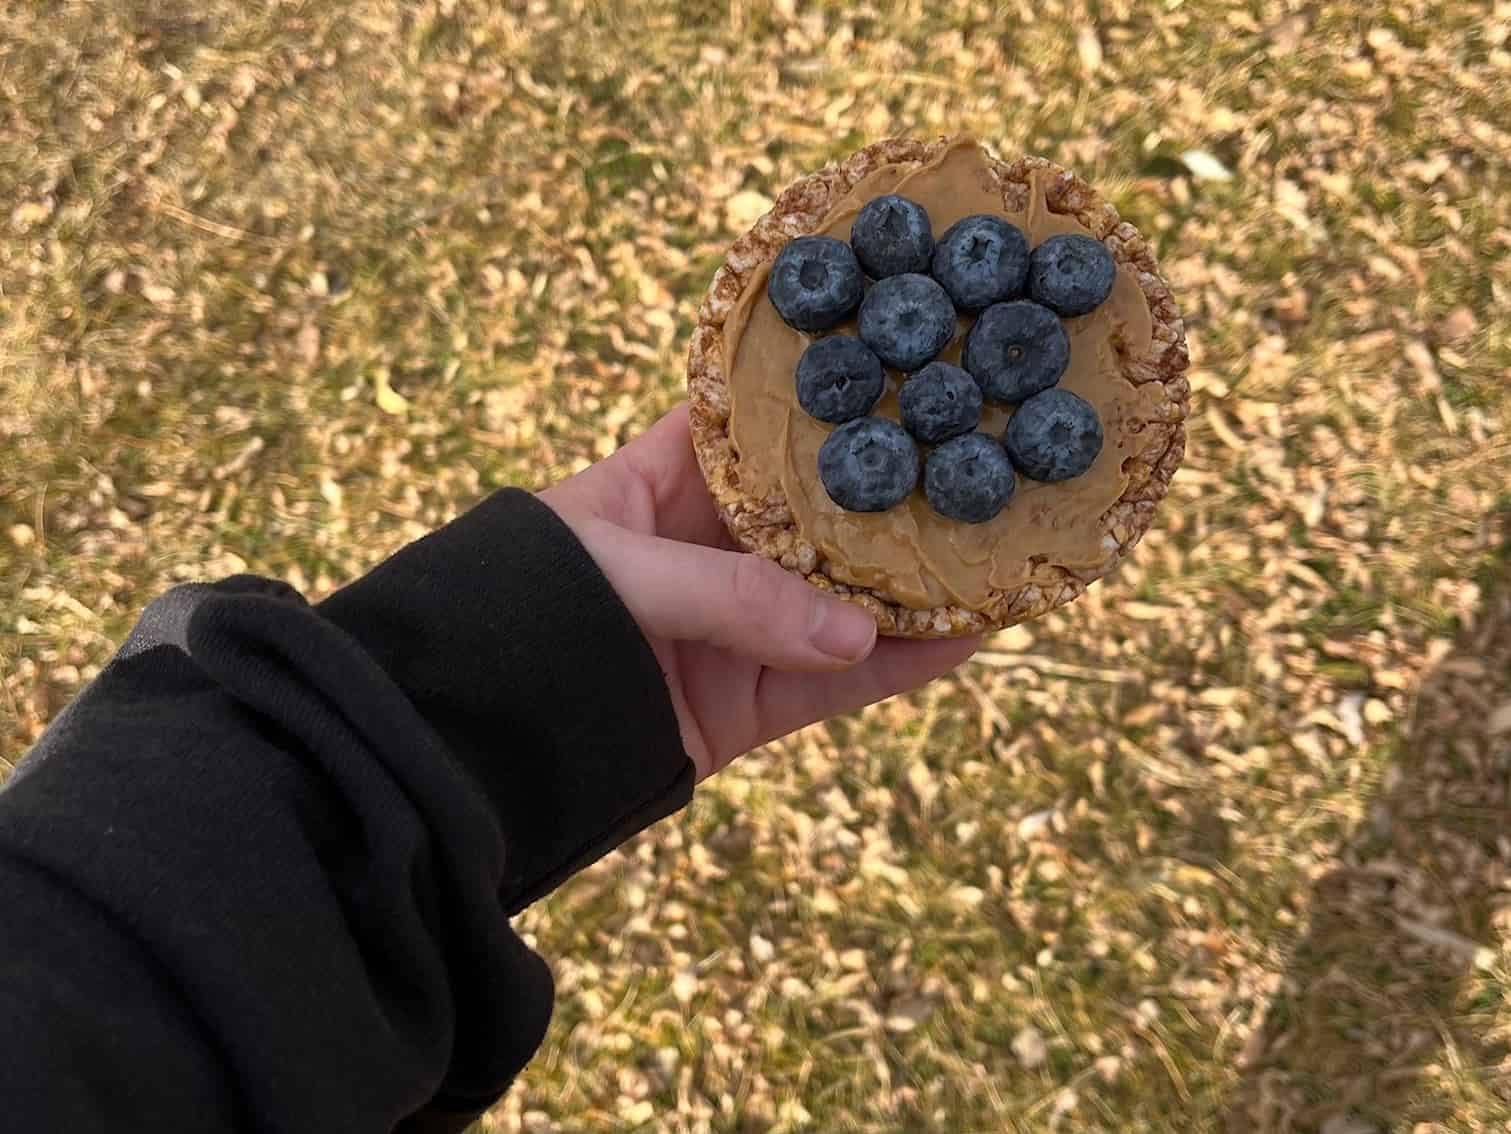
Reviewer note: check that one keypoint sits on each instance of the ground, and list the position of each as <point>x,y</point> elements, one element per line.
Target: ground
<point>1219,847</point>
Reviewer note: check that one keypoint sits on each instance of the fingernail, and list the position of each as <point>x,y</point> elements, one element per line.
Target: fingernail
<point>843,631</point>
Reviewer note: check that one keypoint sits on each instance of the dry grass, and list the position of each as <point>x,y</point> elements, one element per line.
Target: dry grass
<point>1222,846</point>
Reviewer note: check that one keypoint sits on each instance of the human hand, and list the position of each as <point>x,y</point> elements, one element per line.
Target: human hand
<point>751,652</point>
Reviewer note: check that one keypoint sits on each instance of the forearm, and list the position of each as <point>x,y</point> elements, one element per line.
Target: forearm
<point>262,869</point>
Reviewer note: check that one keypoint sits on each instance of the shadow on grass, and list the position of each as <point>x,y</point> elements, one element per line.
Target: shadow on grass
<point>1396,970</point>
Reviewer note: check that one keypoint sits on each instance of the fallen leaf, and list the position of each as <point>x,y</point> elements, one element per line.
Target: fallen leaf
<point>1287,34</point>
<point>1220,697</point>
<point>638,1112</point>
<point>308,342</point>
<point>1500,720</point>
<point>1089,50</point>
<point>389,400</point>
<point>29,213</point>
<point>854,960</point>
<point>966,897</point>
<point>908,1013</point>
<point>1351,718</point>
<point>1205,167</point>
<point>330,490</point>
<point>1028,1046</point>
<point>1458,325</point>
<point>745,208</point>
<point>792,988</point>
<point>1348,1124</point>
<point>1422,362</point>
<point>1447,940</point>
<point>1032,826</point>
<point>1386,268</point>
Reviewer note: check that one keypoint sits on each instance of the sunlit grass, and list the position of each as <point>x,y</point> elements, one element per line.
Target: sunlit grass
<point>1216,847</point>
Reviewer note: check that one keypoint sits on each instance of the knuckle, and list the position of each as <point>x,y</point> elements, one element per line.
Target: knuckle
<point>756,585</point>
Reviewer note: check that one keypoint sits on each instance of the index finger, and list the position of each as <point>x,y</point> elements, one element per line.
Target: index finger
<point>664,459</point>
<point>661,465</point>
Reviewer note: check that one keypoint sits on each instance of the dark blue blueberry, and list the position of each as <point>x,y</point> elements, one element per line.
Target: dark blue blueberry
<point>892,235</point>
<point>1015,350</point>
<point>981,260</point>
<point>868,465</point>
<point>839,378</point>
<point>1070,274</point>
<point>969,479</point>
<point>906,320</point>
<point>1053,436</point>
<point>816,283</point>
<point>939,402</point>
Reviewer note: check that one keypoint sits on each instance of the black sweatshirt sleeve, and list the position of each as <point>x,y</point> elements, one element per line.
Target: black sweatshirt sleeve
<point>257,877</point>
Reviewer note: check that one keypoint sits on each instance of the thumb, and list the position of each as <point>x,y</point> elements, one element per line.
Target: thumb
<point>735,600</point>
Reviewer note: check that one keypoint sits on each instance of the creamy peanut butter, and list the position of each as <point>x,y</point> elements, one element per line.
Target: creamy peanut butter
<point>913,554</point>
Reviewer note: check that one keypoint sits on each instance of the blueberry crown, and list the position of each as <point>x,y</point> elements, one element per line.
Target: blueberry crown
<point>907,292</point>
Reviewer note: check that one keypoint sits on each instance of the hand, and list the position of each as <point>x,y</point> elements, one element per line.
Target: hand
<point>750,651</point>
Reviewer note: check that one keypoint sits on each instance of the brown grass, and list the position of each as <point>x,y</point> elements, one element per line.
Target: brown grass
<point>1221,846</point>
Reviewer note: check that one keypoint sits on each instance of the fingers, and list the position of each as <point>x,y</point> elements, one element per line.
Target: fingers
<point>663,457</point>
<point>786,702</point>
<point>739,602</point>
<point>651,484</point>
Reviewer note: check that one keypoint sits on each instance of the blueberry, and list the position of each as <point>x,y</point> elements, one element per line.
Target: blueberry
<point>906,320</point>
<point>816,283</point>
<point>1015,350</point>
<point>939,402</point>
<point>892,235</point>
<point>1070,274</point>
<point>981,260</point>
<point>868,465</point>
<point>838,378</point>
<point>1053,436</point>
<point>969,479</point>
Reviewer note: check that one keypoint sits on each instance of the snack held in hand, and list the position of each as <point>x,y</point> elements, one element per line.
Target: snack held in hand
<point>946,387</point>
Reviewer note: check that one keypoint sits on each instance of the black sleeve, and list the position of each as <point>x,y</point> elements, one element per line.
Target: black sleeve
<point>258,876</point>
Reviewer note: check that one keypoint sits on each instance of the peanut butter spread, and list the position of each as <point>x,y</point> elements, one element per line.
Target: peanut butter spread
<point>910,552</point>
